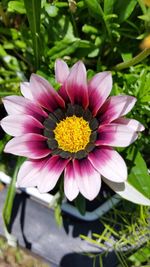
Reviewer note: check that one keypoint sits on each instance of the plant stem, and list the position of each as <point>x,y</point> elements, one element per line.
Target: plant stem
<point>135,60</point>
<point>8,205</point>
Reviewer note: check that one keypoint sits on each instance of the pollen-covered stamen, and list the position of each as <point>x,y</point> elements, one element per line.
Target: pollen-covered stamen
<point>72,134</point>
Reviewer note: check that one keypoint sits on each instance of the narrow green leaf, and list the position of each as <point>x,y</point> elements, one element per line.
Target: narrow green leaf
<point>33,9</point>
<point>95,8</point>
<point>108,6</point>
<point>124,9</point>
<point>58,215</point>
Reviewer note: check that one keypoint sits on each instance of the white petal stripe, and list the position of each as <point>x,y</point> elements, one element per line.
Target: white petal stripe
<point>131,123</point>
<point>115,107</point>
<point>51,173</point>
<point>99,88</point>
<point>116,135</point>
<point>17,125</point>
<point>88,179</point>
<point>29,145</point>
<point>61,71</point>
<point>109,163</point>
<point>30,173</point>
<point>70,184</point>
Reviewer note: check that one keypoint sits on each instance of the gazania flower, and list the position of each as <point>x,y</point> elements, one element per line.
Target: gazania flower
<point>73,131</point>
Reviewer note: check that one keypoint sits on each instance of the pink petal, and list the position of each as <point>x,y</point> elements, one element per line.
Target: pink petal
<point>88,179</point>
<point>99,89</point>
<point>18,105</point>
<point>17,125</point>
<point>70,185</point>
<point>77,85</point>
<point>61,74</point>
<point>44,94</point>
<point>109,164</point>
<point>116,135</point>
<point>51,173</point>
<point>26,91</point>
<point>29,145</point>
<point>30,173</point>
<point>61,71</point>
<point>115,107</point>
<point>131,123</point>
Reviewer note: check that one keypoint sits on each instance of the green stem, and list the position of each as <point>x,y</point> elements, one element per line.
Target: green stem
<point>105,21</point>
<point>135,60</point>
<point>8,205</point>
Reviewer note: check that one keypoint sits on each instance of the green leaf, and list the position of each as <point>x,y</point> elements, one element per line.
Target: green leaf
<point>16,6</point>
<point>33,9</point>
<point>126,56</point>
<point>138,175</point>
<point>58,215</point>
<point>145,17</point>
<point>2,51</point>
<point>95,8</point>
<point>124,9</point>
<point>51,10</point>
<point>63,48</point>
<point>108,6</point>
<point>80,204</point>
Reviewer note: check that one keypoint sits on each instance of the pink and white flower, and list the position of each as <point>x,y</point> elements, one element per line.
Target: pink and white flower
<point>73,131</point>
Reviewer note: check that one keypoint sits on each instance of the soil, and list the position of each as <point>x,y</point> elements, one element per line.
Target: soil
<point>18,257</point>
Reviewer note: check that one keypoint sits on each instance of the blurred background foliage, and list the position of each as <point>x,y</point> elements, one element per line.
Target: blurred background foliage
<point>103,34</point>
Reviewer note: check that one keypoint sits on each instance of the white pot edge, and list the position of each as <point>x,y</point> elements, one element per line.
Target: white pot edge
<point>47,199</point>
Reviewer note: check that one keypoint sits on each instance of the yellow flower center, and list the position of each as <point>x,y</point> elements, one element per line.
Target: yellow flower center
<point>72,134</point>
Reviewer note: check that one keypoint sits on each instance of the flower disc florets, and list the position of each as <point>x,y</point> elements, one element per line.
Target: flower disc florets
<point>73,130</point>
<point>72,134</point>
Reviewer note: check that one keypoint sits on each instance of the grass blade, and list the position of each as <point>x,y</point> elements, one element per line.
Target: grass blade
<point>33,9</point>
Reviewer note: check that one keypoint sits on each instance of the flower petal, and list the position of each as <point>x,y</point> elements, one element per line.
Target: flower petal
<point>109,163</point>
<point>61,71</point>
<point>70,185</point>
<point>99,89</point>
<point>44,94</point>
<point>131,123</point>
<point>26,91</point>
<point>17,125</point>
<point>77,85</point>
<point>30,173</point>
<point>51,173</point>
<point>116,135</point>
<point>115,107</point>
<point>128,192</point>
<point>29,145</point>
<point>61,74</point>
<point>16,105</point>
<point>88,179</point>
